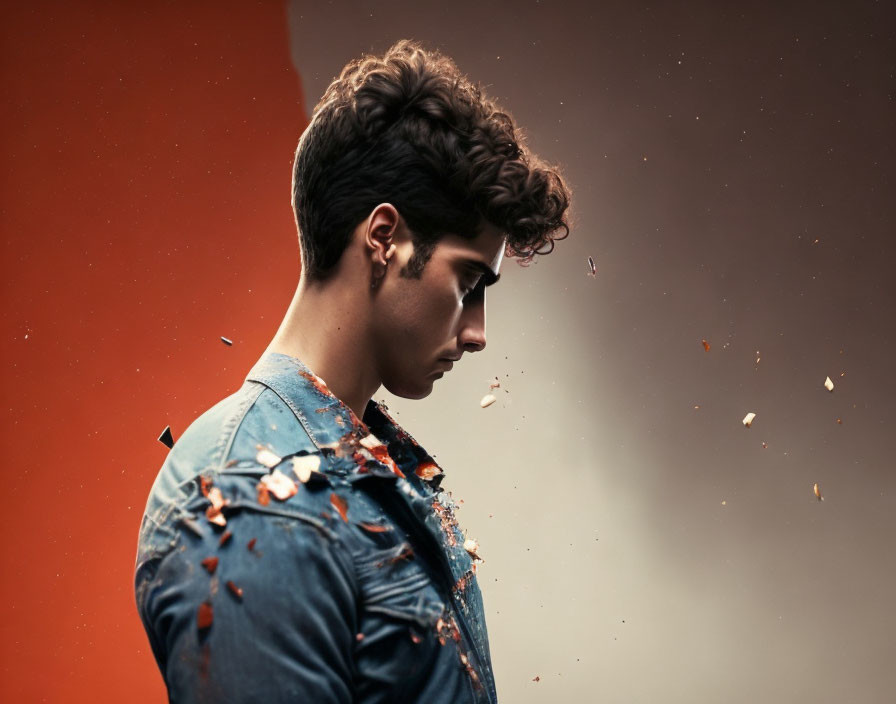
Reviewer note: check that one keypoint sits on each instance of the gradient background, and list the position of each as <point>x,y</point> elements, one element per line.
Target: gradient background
<point>732,168</point>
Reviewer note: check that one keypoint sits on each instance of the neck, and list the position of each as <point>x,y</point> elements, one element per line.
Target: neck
<point>321,328</point>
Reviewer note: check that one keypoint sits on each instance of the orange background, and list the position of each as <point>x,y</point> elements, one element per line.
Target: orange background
<point>146,168</point>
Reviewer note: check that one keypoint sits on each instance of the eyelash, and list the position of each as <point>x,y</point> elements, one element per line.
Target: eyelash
<point>467,291</point>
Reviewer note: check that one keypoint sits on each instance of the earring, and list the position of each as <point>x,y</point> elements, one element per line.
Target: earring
<point>375,280</point>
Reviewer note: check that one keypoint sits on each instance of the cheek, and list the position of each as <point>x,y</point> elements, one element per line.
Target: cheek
<point>424,316</point>
<point>414,330</point>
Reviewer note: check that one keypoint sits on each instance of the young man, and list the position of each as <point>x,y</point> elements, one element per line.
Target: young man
<point>296,545</point>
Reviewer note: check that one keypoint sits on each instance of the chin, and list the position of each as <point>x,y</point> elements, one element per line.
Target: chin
<point>409,391</point>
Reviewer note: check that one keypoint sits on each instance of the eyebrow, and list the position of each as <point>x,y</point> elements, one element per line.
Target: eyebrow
<point>490,277</point>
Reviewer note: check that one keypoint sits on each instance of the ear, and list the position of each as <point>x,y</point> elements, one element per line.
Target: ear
<point>383,227</point>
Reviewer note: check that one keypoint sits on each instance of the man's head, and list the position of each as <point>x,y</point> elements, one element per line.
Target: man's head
<point>409,175</point>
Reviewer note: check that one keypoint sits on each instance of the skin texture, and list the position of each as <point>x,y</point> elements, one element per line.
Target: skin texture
<point>396,334</point>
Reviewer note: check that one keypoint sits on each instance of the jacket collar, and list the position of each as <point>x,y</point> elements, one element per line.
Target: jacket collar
<point>331,424</point>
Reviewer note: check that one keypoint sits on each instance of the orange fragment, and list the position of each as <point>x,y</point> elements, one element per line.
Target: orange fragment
<point>204,616</point>
<point>235,590</point>
<point>340,504</point>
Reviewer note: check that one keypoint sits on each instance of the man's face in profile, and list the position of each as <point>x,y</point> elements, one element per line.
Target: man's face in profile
<point>421,323</point>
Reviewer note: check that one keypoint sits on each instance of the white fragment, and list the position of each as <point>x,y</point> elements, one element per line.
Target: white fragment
<point>828,384</point>
<point>748,419</point>
<point>281,486</point>
<point>472,547</point>
<point>267,458</point>
<point>304,465</point>
<point>370,441</point>
<point>217,498</point>
<point>487,400</point>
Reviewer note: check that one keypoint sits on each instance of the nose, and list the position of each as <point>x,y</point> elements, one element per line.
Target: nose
<point>472,333</point>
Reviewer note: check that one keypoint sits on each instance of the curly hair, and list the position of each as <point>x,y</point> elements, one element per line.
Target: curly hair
<point>409,129</point>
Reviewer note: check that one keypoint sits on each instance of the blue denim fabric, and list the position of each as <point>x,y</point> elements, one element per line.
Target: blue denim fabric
<point>285,600</point>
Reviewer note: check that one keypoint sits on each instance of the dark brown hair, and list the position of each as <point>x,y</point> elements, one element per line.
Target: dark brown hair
<point>407,128</point>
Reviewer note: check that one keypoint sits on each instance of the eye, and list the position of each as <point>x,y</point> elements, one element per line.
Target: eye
<point>471,286</point>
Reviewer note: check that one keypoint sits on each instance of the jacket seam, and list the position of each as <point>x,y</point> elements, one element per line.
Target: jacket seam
<point>228,435</point>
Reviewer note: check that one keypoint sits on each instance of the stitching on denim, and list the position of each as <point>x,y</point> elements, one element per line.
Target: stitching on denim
<point>267,382</point>
<point>231,427</point>
<point>398,586</point>
<point>274,511</point>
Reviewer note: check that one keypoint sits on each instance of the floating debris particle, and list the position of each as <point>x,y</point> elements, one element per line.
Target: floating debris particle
<point>748,419</point>
<point>817,492</point>
<point>281,486</point>
<point>216,497</point>
<point>828,384</point>
<point>210,564</point>
<point>415,637</point>
<point>204,616</point>
<point>370,441</point>
<point>266,457</point>
<point>724,503</point>
<point>166,438</point>
<point>251,544</point>
<point>213,512</point>
<point>592,269</point>
<point>374,527</point>
<point>340,504</point>
<point>706,346</point>
<point>494,385</point>
<point>487,400</point>
<point>235,590</point>
<point>226,341</point>
<point>359,637</point>
<point>428,470</point>
<point>464,580</point>
<point>381,454</point>
<point>447,521</point>
<point>839,421</point>
<point>764,445</point>
<point>472,547</point>
<point>225,539</point>
<point>304,465</point>
<point>447,628</point>
<point>536,679</point>
<point>317,382</point>
<point>696,408</point>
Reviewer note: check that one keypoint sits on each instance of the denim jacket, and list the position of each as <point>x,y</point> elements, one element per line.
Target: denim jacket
<point>292,552</point>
